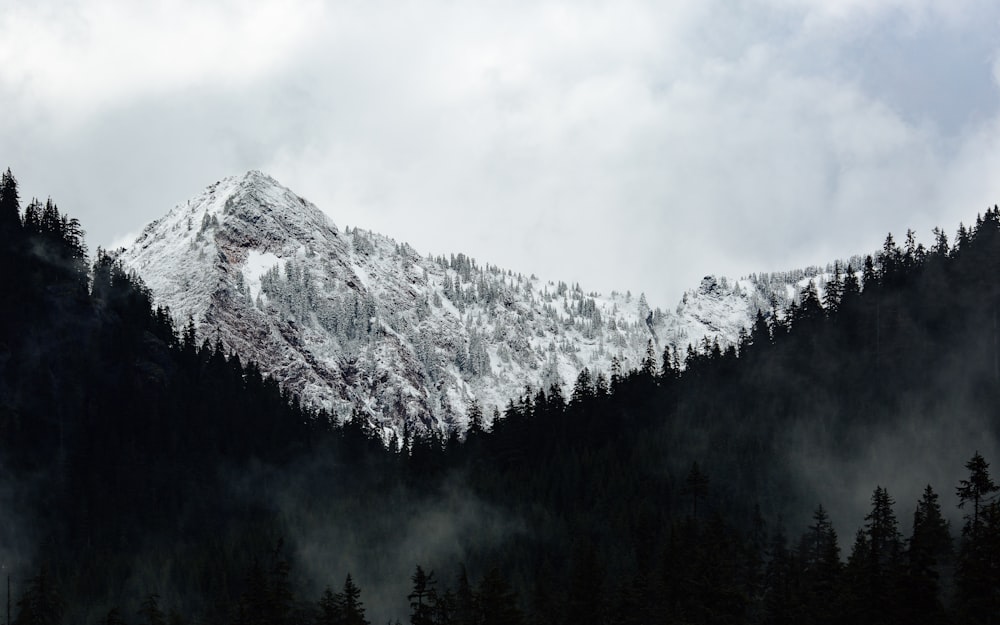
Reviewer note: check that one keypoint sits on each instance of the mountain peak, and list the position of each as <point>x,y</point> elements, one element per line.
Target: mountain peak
<point>255,179</point>
<point>247,210</point>
<point>256,174</point>
<point>358,324</point>
<point>192,252</point>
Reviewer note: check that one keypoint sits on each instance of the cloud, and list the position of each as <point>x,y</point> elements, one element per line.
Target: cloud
<point>628,145</point>
<point>69,60</point>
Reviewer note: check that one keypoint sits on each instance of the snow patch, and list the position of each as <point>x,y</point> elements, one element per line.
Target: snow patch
<point>257,264</point>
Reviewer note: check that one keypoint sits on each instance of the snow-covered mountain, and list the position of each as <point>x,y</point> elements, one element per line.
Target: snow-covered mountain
<point>352,320</point>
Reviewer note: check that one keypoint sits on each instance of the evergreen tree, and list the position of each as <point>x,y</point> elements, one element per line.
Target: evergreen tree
<point>616,373</point>
<point>929,552</point>
<point>475,419</point>
<point>869,277</point>
<point>329,609</point>
<point>821,569</point>
<point>555,400</point>
<point>940,243</point>
<point>602,387</point>
<point>882,529</point>
<point>962,238</point>
<point>978,489</point>
<point>423,598</point>
<point>10,208</point>
<point>350,608</point>
<point>851,288</point>
<point>834,290</point>
<point>583,389</point>
<point>810,308</point>
<point>978,566</point>
<point>884,544</point>
<point>11,261</point>
<point>890,261</point>
<point>760,335</point>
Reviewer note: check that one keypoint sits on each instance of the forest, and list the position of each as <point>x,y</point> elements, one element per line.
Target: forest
<point>149,476</point>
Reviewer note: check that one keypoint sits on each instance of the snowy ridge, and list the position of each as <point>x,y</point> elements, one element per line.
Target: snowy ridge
<point>354,321</point>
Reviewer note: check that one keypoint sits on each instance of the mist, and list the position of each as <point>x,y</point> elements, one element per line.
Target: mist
<point>377,530</point>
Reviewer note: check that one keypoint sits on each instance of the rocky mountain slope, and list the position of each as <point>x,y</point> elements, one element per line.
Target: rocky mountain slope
<point>354,321</point>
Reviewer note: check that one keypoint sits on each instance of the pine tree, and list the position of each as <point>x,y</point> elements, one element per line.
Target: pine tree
<point>978,489</point>
<point>555,400</point>
<point>962,238</point>
<point>882,528</point>
<point>821,564</point>
<point>884,554</point>
<point>890,261</point>
<point>929,552</point>
<point>352,611</point>
<point>869,278</point>
<point>10,208</point>
<point>978,566</point>
<point>602,388</point>
<point>810,308</point>
<point>760,335</point>
<point>851,287</point>
<point>834,290</point>
<point>11,261</point>
<point>423,598</point>
<point>940,248</point>
<point>616,373</point>
<point>583,389</point>
<point>475,419</point>
<point>329,609</point>
<point>913,252</point>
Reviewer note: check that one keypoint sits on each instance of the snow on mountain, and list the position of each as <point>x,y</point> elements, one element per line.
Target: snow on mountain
<point>354,321</point>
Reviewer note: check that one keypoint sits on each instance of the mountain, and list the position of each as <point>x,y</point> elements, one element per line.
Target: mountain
<point>352,320</point>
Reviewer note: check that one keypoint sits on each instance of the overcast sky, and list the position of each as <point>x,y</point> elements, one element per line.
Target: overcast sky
<point>622,144</point>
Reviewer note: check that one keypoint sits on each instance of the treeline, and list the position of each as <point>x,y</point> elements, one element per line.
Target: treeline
<point>134,452</point>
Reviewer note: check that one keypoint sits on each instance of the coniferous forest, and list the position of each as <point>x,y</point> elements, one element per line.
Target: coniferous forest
<point>148,476</point>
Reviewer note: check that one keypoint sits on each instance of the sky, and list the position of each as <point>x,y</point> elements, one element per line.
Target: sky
<point>625,145</point>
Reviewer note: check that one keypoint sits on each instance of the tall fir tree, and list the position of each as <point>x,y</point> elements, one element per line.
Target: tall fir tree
<point>977,574</point>
<point>350,607</point>
<point>423,597</point>
<point>929,555</point>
